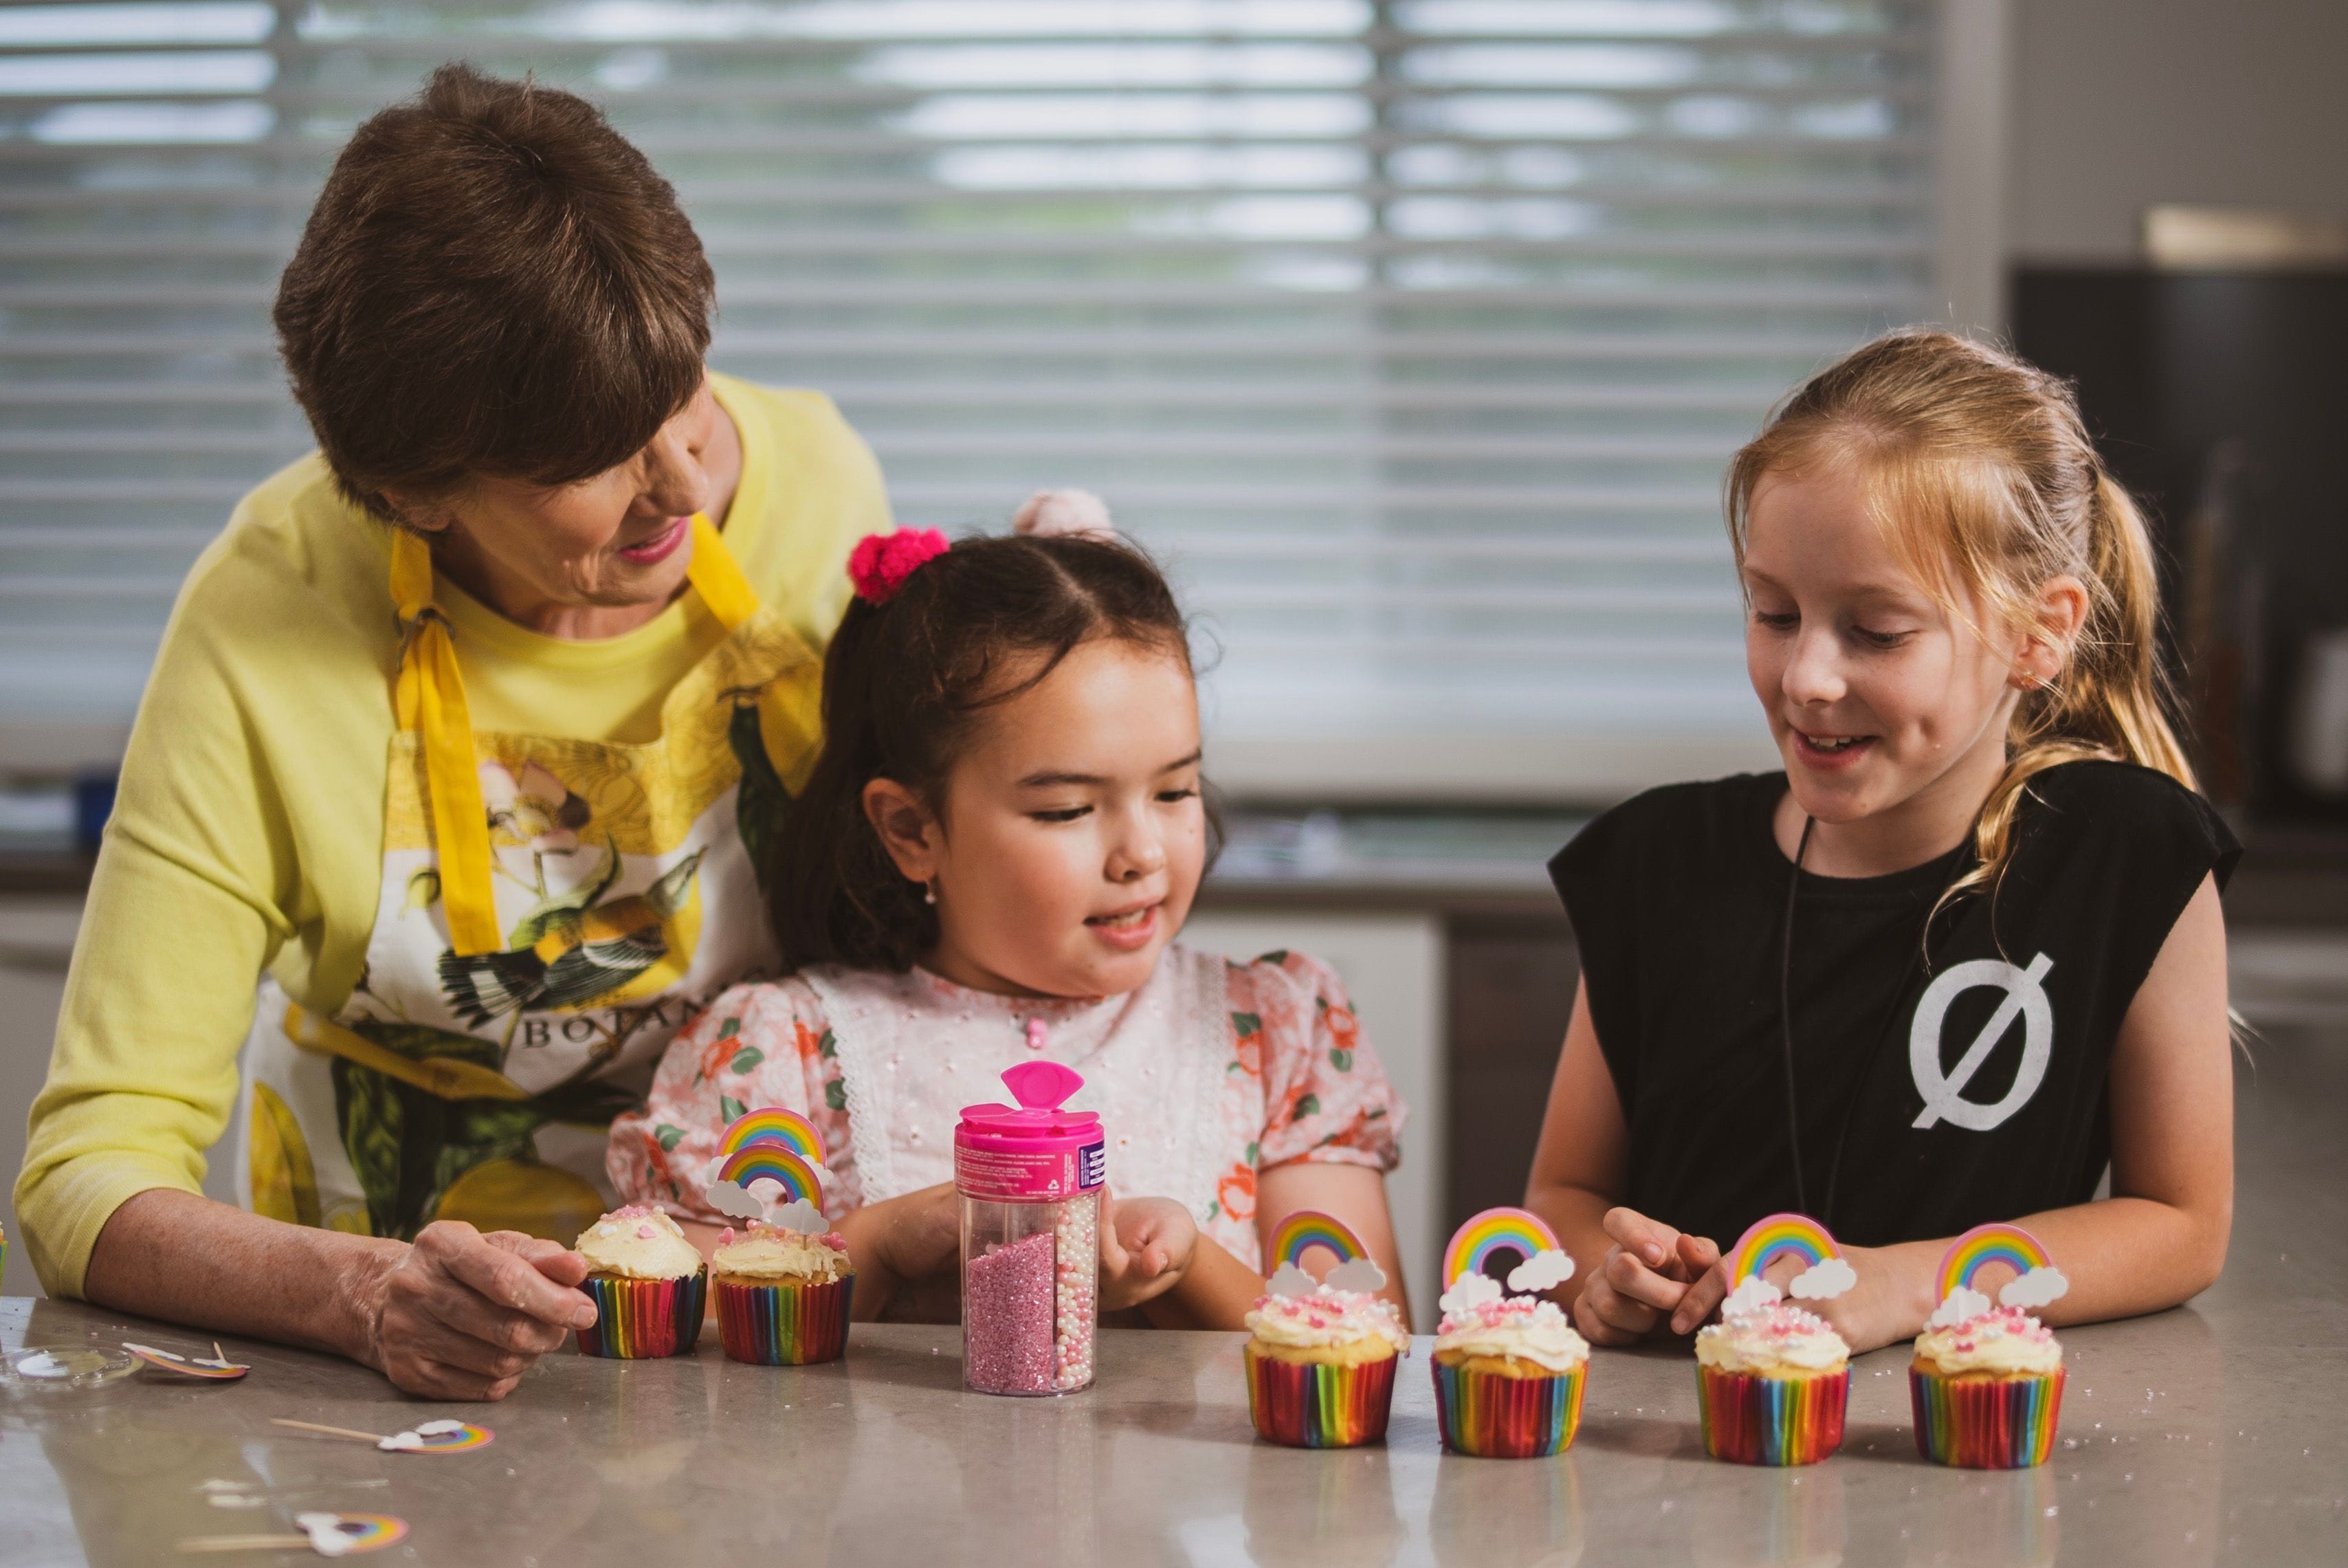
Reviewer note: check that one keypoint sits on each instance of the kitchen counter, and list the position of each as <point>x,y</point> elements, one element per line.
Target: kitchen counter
<point>2210,1434</point>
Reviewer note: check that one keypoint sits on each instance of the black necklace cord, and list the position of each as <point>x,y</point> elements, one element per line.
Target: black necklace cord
<point>1785,1015</point>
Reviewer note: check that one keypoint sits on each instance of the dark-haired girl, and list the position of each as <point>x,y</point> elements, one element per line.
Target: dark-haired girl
<point>1001,837</point>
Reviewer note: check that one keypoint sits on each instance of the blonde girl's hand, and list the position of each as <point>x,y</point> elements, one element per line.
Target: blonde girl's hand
<point>1646,1276</point>
<point>1146,1250</point>
<point>1884,1305</point>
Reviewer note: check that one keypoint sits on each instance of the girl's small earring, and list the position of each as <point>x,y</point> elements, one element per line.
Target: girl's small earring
<point>928,893</point>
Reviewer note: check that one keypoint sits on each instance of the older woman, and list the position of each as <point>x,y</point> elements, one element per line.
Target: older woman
<point>463,744</point>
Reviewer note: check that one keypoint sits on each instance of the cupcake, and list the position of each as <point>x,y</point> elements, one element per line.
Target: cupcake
<point>647,1282</point>
<point>782,1295</point>
<point>1774,1381</point>
<point>1508,1372</point>
<point>1320,1365</point>
<point>1986,1383</point>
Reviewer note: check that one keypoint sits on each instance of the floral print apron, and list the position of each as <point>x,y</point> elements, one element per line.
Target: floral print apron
<point>551,910</point>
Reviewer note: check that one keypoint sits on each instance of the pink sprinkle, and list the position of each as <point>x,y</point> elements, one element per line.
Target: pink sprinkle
<point>834,1240</point>
<point>1008,1311</point>
<point>726,1237</point>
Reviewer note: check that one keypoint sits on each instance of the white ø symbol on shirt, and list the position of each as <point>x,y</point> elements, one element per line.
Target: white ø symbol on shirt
<point>1944,1094</point>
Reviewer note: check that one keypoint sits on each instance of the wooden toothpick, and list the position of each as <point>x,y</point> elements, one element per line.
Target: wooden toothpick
<point>329,1431</point>
<point>245,1543</point>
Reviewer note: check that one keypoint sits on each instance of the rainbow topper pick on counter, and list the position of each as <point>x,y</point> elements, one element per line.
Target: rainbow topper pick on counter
<point>2036,1281</point>
<point>1300,1233</point>
<point>1825,1272</point>
<point>215,1367</point>
<point>1541,1265</point>
<point>773,1144</point>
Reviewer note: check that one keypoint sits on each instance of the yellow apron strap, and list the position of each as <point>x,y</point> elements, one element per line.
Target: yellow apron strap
<point>715,577</point>
<point>789,716</point>
<point>444,1077</point>
<point>431,701</point>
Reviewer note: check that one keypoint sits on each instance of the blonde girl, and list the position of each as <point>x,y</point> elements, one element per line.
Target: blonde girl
<point>1965,954</point>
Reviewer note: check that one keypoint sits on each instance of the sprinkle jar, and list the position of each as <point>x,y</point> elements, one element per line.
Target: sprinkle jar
<point>1030,1181</point>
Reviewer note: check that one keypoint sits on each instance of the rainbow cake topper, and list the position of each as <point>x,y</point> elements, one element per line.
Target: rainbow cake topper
<point>1824,1271</point>
<point>351,1534</point>
<point>1309,1227</point>
<point>2036,1281</point>
<point>216,1367</point>
<point>771,1162</point>
<point>772,1124</point>
<point>1541,1265</point>
<point>440,1438</point>
<point>774,1144</point>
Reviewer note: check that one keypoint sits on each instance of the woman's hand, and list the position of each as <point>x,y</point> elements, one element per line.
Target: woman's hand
<point>1644,1280</point>
<point>455,1315</point>
<point>462,1316</point>
<point>1146,1250</point>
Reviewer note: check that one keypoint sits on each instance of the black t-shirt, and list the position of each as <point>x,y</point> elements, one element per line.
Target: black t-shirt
<point>1909,1126</point>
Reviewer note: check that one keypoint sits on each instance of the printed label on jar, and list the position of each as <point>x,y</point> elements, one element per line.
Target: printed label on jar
<point>1041,1176</point>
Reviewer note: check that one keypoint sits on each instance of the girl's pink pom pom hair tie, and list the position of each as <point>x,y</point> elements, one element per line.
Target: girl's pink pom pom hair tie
<point>880,562</point>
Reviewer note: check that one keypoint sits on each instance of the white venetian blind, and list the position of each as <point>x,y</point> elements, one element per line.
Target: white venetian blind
<point>1413,334</point>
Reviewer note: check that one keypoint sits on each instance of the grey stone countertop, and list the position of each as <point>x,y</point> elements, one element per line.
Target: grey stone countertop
<point>2210,1434</point>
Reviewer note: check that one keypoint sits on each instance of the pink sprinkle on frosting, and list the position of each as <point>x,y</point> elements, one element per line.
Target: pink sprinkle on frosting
<point>1508,1310</point>
<point>2008,1322</point>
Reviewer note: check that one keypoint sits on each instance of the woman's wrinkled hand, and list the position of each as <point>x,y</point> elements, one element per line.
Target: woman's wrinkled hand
<point>1146,1249</point>
<point>1643,1282</point>
<point>462,1316</point>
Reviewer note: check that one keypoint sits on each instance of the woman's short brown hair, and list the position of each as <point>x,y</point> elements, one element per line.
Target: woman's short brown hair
<point>493,283</point>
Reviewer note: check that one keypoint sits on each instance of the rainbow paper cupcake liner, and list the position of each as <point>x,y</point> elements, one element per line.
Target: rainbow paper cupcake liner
<point>1496,1417</point>
<point>784,1325</point>
<point>1772,1420</point>
<point>636,1319</point>
<point>1317,1404</point>
<point>1985,1423</point>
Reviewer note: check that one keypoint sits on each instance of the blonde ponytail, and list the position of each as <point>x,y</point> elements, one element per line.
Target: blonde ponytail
<point>1981,470</point>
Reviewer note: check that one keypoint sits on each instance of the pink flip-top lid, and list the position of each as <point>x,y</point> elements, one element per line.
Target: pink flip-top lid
<point>1040,1123</point>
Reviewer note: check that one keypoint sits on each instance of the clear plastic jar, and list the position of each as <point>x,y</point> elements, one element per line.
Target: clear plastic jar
<point>1030,1180</point>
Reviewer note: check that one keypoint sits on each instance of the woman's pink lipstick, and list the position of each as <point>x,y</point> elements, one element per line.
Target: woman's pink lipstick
<point>660,546</point>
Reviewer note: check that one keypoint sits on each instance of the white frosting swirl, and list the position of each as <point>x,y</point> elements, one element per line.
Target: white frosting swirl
<point>2002,1339</point>
<point>1771,1340</point>
<point>764,1252</point>
<point>1326,1318</point>
<point>1478,1320</point>
<point>638,1242</point>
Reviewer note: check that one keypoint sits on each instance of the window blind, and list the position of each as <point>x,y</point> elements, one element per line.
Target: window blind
<point>1412,335</point>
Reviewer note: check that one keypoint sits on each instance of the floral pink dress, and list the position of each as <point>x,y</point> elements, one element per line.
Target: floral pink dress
<point>1210,1074</point>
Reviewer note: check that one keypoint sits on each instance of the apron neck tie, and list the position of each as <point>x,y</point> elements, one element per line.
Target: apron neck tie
<point>429,699</point>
